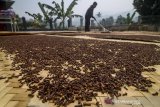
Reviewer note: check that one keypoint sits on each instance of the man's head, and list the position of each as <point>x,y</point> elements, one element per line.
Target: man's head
<point>94,4</point>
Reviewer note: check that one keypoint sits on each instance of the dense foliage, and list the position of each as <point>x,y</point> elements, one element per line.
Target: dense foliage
<point>149,10</point>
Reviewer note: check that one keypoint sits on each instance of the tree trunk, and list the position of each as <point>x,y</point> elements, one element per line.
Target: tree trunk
<point>70,22</point>
<point>81,21</point>
<point>63,23</point>
<point>24,23</point>
<point>50,24</point>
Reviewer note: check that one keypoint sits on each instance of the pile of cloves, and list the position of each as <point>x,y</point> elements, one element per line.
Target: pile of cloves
<point>2,77</point>
<point>145,38</point>
<point>78,69</point>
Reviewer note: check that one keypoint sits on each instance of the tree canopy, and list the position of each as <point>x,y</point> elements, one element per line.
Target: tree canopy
<point>108,21</point>
<point>147,7</point>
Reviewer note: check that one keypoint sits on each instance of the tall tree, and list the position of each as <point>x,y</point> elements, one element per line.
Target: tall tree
<point>147,7</point>
<point>149,10</point>
<point>156,8</point>
<point>108,21</point>
<point>121,20</point>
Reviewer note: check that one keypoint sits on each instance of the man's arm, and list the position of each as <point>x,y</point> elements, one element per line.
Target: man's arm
<point>92,14</point>
<point>94,18</point>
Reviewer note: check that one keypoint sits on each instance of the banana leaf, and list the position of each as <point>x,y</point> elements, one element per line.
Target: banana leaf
<point>43,11</point>
<point>57,6</point>
<point>76,15</point>
<point>49,7</point>
<point>32,15</point>
<point>70,8</point>
<point>133,15</point>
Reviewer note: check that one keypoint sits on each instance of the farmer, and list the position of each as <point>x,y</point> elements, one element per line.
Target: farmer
<point>89,15</point>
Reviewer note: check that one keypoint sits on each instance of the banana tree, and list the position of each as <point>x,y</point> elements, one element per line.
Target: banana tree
<point>53,11</point>
<point>58,9</point>
<point>130,18</point>
<point>37,18</point>
<point>48,17</point>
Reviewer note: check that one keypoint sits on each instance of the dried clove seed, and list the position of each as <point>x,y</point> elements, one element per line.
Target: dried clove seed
<point>155,94</point>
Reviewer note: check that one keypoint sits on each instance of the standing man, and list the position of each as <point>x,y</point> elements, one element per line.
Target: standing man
<point>89,15</point>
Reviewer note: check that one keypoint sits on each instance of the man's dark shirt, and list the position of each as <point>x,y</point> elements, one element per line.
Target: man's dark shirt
<point>89,12</point>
